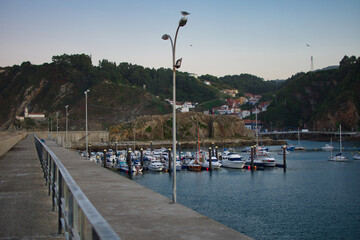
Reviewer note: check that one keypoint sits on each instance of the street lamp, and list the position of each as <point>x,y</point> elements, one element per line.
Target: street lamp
<point>66,134</point>
<point>86,125</point>
<point>175,65</point>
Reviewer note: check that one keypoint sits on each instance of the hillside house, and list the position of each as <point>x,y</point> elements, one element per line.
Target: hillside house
<point>230,92</point>
<point>251,124</point>
<point>182,107</point>
<point>244,113</point>
<point>263,106</point>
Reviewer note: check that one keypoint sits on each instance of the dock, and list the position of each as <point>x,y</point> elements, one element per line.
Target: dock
<point>25,207</point>
<point>131,210</point>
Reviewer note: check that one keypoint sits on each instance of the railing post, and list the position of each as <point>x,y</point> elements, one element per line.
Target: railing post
<point>54,176</point>
<point>60,187</point>
<point>49,176</point>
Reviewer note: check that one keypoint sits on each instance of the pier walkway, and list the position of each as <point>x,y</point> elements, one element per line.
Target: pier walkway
<point>25,207</point>
<point>135,212</point>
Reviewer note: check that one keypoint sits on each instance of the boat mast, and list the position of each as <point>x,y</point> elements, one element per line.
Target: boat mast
<point>199,156</point>
<point>256,130</point>
<point>340,141</point>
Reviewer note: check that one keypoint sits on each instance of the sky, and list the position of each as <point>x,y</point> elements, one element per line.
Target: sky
<point>266,38</point>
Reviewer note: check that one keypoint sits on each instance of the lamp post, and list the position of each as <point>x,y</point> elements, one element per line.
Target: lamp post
<point>86,125</point>
<point>57,126</point>
<point>66,126</point>
<point>175,65</point>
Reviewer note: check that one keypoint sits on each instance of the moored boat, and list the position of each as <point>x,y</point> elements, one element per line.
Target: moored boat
<point>215,164</point>
<point>194,165</point>
<point>155,166</point>
<point>327,147</point>
<point>233,160</point>
<point>338,157</point>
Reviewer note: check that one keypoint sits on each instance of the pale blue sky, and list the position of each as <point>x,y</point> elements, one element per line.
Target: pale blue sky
<point>266,38</point>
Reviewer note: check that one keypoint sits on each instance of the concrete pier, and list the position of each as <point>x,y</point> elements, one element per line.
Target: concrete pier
<point>135,212</point>
<point>25,207</point>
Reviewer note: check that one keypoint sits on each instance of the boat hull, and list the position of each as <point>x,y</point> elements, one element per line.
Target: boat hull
<point>233,164</point>
<point>194,168</point>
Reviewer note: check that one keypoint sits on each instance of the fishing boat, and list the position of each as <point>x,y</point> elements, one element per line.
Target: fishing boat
<point>233,160</point>
<point>338,157</point>
<point>194,165</point>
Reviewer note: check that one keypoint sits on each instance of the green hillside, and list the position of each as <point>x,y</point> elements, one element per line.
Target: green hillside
<point>318,100</point>
<point>118,93</point>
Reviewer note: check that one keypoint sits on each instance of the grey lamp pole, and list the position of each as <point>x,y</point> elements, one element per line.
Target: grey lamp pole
<point>176,65</point>
<point>86,125</point>
<point>66,133</point>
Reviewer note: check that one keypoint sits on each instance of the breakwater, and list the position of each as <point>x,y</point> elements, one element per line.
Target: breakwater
<point>100,140</point>
<point>312,135</point>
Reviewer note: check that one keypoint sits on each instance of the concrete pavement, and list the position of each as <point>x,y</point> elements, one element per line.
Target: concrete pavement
<point>25,207</point>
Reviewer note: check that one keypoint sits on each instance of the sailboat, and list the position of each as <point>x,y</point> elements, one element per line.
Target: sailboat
<point>298,147</point>
<point>261,155</point>
<point>195,165</point>
<point>338,157</point>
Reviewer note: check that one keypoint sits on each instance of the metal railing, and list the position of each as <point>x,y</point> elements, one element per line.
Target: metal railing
<point>77,217</point>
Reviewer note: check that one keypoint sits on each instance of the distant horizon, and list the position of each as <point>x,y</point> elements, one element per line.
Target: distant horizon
<point>117,64</point>
<point>269,39</point>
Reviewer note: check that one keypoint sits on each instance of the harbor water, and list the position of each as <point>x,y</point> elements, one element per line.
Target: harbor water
<point>313,199</point>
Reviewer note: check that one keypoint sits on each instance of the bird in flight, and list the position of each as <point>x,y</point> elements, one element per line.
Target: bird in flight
<point>308,45</point>
<point>184,13</point>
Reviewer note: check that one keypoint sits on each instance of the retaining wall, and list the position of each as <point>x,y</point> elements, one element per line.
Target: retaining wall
<point>9,139</point>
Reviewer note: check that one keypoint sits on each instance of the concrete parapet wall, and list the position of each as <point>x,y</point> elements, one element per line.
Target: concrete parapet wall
<point>76,139</point>
<point>9,139</point>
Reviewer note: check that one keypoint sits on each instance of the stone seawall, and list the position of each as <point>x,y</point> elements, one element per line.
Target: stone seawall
<point>9,139</point>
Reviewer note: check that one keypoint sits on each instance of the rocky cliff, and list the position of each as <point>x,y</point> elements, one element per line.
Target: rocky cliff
<point>160,127</point>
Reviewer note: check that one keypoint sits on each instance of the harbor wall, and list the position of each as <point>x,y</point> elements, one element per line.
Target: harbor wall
<point>10,139</point>
<point>100,140</point>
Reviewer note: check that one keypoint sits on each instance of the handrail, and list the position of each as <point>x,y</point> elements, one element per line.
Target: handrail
<point>71,203</point>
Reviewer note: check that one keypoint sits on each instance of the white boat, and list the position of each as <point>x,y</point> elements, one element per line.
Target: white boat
<point>178,164</point>
<point>215,164</point>
<point>327,147</point>
<point>233,160</point>
<point>156,166</point>
<point>268,161</point>
<point>338,157</point>
<point>356,156</point>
